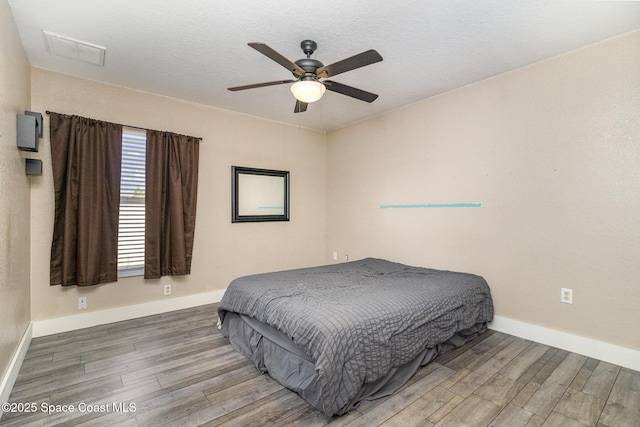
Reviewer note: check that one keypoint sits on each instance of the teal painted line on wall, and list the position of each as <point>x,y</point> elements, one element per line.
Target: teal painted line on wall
<point>432,205</point>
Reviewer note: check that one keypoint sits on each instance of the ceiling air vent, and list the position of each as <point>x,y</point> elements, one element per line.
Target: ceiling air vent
<point>74,49</point>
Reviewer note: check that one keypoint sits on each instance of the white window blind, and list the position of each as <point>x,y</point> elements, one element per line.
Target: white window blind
<point>132,196</point>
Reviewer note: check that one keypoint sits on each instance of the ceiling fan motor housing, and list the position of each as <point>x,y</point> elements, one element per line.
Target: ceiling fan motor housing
<point>309,65</point>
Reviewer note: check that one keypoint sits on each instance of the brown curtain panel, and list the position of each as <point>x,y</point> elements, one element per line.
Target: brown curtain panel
<point>85,155</point>
<point>170,199</point>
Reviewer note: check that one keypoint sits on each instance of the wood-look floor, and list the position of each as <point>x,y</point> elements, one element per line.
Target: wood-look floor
<point>177,369</point>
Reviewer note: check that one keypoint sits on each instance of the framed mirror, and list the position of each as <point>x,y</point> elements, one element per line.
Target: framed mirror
<point>259,195</point>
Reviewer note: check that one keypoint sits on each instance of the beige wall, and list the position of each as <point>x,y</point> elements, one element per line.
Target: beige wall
<point>222,250</point>
<point>552,151</point>
<point>14,192</point>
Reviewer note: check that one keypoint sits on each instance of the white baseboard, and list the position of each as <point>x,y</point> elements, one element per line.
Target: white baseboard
<point>94,318</point>
<point>617,355</point>
<point>611,353</point>
<point>14,367</point>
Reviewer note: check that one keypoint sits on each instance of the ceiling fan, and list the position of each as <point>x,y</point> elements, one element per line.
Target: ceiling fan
<point>307,87</point>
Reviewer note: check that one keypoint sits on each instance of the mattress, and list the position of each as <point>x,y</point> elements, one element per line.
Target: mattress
<point>344,333</point>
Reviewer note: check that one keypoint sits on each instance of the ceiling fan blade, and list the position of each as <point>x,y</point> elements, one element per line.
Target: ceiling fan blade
<point>350,91</point>
<point>301,107</point>
<point>351,63</point>
<point>253,86</point>
<point>272,54</point>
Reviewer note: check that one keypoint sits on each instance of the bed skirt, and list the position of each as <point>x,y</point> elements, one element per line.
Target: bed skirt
<point>274,353</point>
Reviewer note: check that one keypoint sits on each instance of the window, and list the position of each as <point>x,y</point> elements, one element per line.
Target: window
<point>123,241</point>
<point>132,203</point>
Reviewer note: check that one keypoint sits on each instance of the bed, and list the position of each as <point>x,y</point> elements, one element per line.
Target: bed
<point>344,333</point>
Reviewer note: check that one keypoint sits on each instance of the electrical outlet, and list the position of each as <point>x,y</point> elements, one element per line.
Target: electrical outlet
<point>335,256</point>
<point>346,257</point>
<point>566,296</point>
<point>167,289</point>
<point>82,303</point>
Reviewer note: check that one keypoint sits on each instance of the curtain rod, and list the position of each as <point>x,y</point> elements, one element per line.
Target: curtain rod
<point>129,126</point>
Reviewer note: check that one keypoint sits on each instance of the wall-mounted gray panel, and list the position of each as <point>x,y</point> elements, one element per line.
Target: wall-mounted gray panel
<point>27,132</point>
<point>33,167</point>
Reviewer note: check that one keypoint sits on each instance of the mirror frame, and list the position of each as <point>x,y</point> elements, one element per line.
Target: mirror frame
<point>236,190</point>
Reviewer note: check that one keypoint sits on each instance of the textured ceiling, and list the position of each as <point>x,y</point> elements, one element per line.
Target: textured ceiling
<point>194,49</point>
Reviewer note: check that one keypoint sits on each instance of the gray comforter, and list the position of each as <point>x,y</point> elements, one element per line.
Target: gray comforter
<point>358,320</point>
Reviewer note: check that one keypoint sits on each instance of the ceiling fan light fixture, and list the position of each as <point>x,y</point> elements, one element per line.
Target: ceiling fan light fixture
<point>308,91</point>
